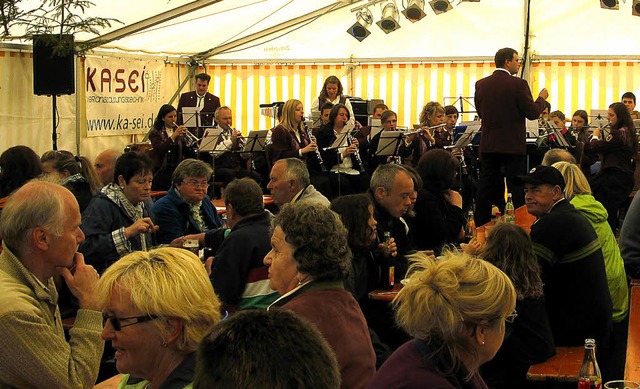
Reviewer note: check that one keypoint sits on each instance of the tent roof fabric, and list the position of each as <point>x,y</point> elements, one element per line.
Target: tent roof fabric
<point>228,29</point>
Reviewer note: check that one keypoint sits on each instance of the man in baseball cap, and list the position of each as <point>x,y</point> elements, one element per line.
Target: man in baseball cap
<point>568,250</point>
<point>543,187</point>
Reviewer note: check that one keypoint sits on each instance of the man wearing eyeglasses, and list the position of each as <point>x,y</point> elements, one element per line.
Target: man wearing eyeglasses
<point>186,209</point>
<point>503,102</point>
<point>40,227</point>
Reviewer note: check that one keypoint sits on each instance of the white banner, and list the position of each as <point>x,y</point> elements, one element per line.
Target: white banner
<point>122,95</point>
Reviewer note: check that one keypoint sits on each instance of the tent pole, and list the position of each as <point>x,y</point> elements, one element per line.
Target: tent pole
<point>54,135</point>
<point>274,29</point>
<point>149,22</point>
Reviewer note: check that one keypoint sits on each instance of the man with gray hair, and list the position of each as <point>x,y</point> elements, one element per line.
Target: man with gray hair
<point>230,163</point>
<point>289,182</point>
<point>186,208</point>
<point>391,188</point>
<point>557,155</point>
<point>40,229</point>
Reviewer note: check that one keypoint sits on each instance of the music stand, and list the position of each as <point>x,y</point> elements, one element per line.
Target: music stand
<point>560,139</point>
<point>467,136</point>
<point>208,144</point>
<point>598,117</point>
<point>256,143</point>
<point>387,140</point>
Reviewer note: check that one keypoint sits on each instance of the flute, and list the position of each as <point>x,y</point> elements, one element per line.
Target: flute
<point>423,129</point>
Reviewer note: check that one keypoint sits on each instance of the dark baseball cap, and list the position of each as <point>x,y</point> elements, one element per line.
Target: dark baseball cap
<point>543,175</point>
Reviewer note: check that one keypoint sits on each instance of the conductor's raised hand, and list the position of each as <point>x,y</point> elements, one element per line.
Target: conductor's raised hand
<point>81,279</point>
<point>544,93</point>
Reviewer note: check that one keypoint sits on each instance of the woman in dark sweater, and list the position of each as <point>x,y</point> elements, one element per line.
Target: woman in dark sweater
<point>439,217</point>
<point>616,147</point>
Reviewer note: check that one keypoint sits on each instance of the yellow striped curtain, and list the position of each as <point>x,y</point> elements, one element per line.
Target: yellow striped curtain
<point>406,88</point>
<point>585,85</point>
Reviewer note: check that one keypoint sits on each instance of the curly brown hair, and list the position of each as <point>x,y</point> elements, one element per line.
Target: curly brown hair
<point>354,213</point>
<point>510,249</point>
<point>319,240</point>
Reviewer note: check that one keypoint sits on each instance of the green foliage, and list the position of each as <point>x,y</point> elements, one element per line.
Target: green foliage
<point>51,17</point>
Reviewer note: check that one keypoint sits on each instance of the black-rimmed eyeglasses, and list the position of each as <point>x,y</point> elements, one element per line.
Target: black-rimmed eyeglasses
<point>116,322</point>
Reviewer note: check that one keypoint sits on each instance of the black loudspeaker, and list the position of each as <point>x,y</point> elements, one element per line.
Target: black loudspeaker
<point>53,65</point>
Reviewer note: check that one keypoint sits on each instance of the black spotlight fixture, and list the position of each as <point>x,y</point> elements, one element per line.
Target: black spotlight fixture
<point>635,8</point>
<point>440,6</point>
<point>609,4</point>
<point>360,29</point>
<point>390,18</point>
<point>414,11</point>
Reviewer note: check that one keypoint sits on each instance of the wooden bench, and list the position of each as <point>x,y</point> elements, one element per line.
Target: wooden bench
<point>562,367</point>
<point>632,365</point>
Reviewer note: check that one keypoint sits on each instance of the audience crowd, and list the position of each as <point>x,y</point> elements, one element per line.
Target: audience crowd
<point>272,288</point>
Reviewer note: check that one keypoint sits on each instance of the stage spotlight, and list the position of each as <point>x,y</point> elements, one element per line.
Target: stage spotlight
<point>635,8</point>
<point>414,11</point>
<point>360,29</point>
<point>609,4</point>
<point>440,6</point>
<point>390,18</point>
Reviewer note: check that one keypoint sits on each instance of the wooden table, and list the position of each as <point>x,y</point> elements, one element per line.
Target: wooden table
<point>523,219</point>
<point>632,365</point>
<point>385,294</point>
<point>562,367</point>
<point>111,383</point>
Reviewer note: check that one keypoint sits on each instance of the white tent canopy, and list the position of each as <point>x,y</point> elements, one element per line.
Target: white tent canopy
<point>238,39</point>
<point>470,29</point>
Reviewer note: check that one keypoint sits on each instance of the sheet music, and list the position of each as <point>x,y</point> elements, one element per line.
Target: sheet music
<point>210,139</point>
<point>190,116</point>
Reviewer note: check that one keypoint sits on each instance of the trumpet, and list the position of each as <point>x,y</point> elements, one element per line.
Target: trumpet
<point>230,131</point>
<point>409,133</point>
<point>190,139</point>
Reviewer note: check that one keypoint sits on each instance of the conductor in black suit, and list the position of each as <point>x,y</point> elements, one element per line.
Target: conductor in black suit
<point>207,102</point>
<point>503,102</point>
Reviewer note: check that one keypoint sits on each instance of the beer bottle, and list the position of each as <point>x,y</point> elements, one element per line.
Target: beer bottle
<point>470,230</point>
<point>387,269</point>
<point>590,377</point>
<point>509,210</point>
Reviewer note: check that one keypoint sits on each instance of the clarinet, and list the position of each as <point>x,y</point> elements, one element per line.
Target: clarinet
<point>312,138</point>
<point>356,155</point>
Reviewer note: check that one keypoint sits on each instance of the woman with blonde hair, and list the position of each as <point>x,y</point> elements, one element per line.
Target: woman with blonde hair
<point>578,191</point>
<point>289,139</point>
<point>456,310</point>
<point>157,306</point>
<point>418,143</point>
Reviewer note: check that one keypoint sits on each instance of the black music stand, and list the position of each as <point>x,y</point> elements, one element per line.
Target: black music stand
<point>467,136</point>
<point>389,143</point>
<point>210,140</point>
<point>256,143</point>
